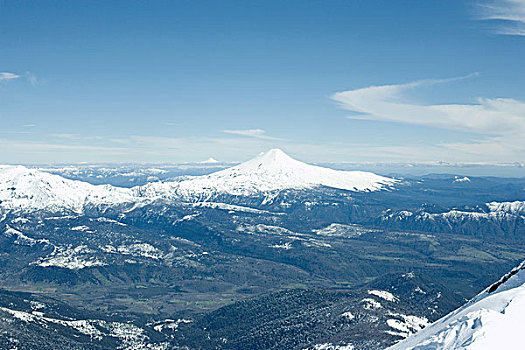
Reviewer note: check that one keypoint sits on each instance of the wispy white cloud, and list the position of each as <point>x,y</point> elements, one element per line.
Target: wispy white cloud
<point>147,148</point>
<point>171,123</point>
<point>499,122</point>
<point>4,76</point>
<point>46,147</point>
<point>67,136</point>
<point>257,133</point>
<point>75,137</point>
<point>510,12</point>
<point>32,79</point>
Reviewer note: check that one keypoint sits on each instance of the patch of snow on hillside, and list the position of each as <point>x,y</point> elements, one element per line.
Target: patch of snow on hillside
<point>461,179</point>
<point>348,315</point>
<point>36,305</point>
<point>80,228</point>
<point>229,207</point>
<point>341,230</point>
<point>130,336</point>
<point>20,220</point>
<point>85,327</point>
<point>145,250</point>
<point>285,246</point>
<point>316,244</point>
<point>22,239</point>
<point>409,275</point>
<point>21,315</point>
<point>406,325</point>
<point>383,294</point>
<point>103,219</point>
<point>370,304</point>
<point>421,291</point>
<point>70,258</point>
<point>330,346</point>
<point>187,217</point>
<point>264,229</point>
<point>169,324</point>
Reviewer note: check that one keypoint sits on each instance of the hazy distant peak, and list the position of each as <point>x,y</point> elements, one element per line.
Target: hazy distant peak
<point>210,160</point>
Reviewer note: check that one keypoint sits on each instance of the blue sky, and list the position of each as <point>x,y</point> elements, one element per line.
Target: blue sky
<point>326,81</point>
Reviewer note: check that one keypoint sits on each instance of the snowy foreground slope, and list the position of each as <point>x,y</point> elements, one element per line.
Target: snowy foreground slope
<point>270,171</point>
<point>494,319</point>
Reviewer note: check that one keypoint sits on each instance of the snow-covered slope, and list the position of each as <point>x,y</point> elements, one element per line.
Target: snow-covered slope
<point>516,207</point>
<point>29,189</point>
<point>270,171</point>
<point>492,320</point>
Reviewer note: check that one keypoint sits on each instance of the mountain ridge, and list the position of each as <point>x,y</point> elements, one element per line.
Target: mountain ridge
<point>25,188</point>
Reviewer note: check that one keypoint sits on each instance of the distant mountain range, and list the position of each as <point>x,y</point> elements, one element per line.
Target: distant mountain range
<point>23,188</point>
<point>267,183</point>
<point>272,253</point>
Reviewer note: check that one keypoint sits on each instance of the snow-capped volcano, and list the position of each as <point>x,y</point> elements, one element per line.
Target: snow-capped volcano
<point>494,319</point>
<point>29,189</point>
<point>271,171</point>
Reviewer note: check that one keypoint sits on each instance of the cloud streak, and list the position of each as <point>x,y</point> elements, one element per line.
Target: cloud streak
<point>510,12</point>
<point>256,133</point>
<point>32,79</point>
<point>5,76</point>
<point>148,149</point>
<point>499,122</point>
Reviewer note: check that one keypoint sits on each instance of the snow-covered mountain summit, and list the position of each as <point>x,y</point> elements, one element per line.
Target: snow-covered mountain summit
<point>494,319</point>
<point>271,171</point>
<point>29,189</point>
